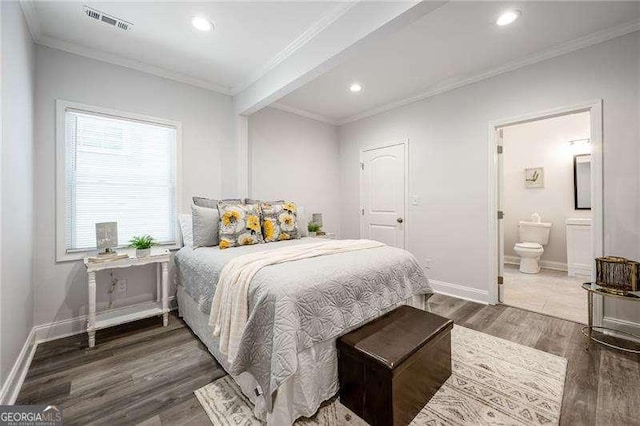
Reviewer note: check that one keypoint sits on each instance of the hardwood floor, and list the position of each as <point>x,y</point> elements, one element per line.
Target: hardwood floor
<point>145,373</point>
<point>137,372</point>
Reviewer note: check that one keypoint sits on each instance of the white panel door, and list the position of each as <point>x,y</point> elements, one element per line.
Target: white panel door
<point>382,195</point>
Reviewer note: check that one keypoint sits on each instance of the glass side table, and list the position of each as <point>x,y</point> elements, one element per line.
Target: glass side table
<point>593,288</point>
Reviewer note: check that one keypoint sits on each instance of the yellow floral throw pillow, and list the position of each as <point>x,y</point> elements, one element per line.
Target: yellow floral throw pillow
<point>239,225</point>
<point>279,221</point>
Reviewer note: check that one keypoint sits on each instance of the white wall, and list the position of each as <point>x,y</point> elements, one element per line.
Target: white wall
<point>207,137</point>
<point>16,278</point>
<point>449,157</point>
<point>296,158</point>
<point>543,143</point>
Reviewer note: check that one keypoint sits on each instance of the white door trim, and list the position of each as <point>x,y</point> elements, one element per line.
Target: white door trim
<point>405,144</point>
<point>597,187</point>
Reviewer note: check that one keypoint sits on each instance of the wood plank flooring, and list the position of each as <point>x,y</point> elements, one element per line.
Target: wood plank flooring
<point>145,373</point>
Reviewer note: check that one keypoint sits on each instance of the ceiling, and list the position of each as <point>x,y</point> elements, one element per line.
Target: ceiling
<point>458,42</point>
<point>249,37</point>
<point>454,44</point>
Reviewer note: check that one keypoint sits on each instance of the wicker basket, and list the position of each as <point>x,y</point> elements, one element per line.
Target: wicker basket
<point>617,273</point>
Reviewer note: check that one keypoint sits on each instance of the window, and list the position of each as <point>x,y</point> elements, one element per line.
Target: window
<point>115,167</point>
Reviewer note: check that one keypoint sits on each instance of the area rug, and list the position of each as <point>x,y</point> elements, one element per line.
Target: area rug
<point>493,381</point>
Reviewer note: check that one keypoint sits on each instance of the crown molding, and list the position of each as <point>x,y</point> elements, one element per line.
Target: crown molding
<point>303,113</point>
<point>306,36</point>
<point>33,22</point>
<point>132,64</point>
<point>29,12</point>
<point>451,84</point>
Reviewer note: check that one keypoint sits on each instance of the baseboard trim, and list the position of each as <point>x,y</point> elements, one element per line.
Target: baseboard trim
<point>40,334</point>
<point>622,325</point>
<point>546,264</point>
<point>71,326</point>
<point>60,329</point>
<point>460,291</point>
<point>13,383</point>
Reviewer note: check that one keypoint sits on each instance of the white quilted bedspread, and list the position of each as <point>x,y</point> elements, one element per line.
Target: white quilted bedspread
<point>296,304</point>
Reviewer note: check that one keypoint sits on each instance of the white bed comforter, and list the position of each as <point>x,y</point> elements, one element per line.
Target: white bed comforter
<point>294,305</point>
<point>230,306</point>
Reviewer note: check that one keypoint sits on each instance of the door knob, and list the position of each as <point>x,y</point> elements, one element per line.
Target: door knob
<point>400,220</point>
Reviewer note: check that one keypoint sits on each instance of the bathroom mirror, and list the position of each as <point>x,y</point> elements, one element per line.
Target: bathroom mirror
<point>582,181</point>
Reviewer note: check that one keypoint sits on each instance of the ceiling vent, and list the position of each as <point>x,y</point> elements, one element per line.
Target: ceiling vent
<point>107,19</point>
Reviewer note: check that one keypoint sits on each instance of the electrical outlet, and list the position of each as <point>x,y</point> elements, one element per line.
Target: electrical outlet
<point>427,263</point>
<point>121,287</point>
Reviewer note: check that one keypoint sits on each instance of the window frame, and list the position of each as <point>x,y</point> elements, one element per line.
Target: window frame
<point>62,106</point>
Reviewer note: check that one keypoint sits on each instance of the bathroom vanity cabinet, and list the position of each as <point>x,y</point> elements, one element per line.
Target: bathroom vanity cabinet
<point>579,252</point>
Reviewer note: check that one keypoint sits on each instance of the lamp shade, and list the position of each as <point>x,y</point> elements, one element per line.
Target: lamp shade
<point>317,218</point>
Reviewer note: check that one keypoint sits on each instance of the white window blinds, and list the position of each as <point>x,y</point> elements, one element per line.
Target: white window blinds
<point>118,170</point>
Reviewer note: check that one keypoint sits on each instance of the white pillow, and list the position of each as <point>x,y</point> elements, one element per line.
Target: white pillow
<point>186,229</point>
<point>303,221</point>
<point>205,222</point>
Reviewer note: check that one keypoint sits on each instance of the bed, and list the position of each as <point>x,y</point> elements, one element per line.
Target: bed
<point>287,361</point>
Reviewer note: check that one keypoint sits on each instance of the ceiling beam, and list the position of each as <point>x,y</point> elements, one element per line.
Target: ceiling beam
<point>308,34</point>
<point>364,23</point>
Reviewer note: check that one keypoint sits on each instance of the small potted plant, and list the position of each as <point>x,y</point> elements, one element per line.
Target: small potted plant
<point>142,244</point>
<point>313,229</point>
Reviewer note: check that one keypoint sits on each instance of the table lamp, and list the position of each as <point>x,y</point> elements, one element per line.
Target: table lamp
<point>317,219</point>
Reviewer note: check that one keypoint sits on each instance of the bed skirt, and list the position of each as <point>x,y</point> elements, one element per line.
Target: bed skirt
<point>301,394</point>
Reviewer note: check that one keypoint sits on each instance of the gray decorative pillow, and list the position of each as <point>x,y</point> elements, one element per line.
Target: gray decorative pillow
<point>252,201</point>
<point>239,224</point>
<point>206,222</point>
<point>280,221</point>
<point>211,203</point>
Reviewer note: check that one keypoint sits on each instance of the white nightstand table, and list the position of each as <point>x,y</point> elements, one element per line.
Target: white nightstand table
<point>109,318</point>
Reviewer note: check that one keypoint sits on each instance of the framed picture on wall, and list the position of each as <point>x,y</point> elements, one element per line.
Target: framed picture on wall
<point>534,178</point>
<point>582,181</point>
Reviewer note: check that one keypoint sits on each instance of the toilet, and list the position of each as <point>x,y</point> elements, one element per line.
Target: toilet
<point>533,236</point>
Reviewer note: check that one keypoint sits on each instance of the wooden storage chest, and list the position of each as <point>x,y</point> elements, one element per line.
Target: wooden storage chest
<point>391,367</point>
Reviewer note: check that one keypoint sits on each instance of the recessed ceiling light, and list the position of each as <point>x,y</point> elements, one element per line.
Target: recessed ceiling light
<point>355,87</point>
<point>508,17</point>
<point>201,23</point>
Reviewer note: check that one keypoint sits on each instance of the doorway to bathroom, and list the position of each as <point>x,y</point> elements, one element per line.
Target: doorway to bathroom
<point>548,209</point>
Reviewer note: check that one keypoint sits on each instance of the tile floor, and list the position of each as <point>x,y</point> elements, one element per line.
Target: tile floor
<point>548,292</point>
